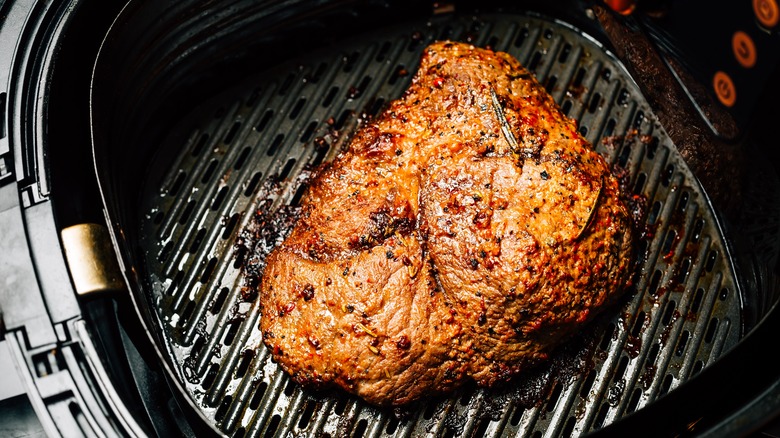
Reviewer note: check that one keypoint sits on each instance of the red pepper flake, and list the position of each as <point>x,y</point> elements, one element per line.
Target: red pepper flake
<point>288,308</point>
<point>403,343</point>
<point>438,82</point>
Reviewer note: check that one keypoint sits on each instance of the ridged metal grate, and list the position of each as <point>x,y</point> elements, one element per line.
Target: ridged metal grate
<point>252,152</point>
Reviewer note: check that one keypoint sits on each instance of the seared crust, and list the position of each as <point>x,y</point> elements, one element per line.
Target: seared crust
<point>465,232</point>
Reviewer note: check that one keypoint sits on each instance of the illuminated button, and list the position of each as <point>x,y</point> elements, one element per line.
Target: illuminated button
<point>724,89</point>
<point>767,12</point>
<point>744,49</point>
<point>623,7</point>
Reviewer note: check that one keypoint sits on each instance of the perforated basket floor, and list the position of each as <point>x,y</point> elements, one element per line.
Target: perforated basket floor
<point>253,151</point>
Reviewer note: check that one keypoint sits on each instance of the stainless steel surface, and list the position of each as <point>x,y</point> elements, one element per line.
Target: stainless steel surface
<point>253,151</point>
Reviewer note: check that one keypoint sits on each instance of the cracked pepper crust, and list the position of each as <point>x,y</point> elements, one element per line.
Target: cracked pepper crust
<point>466,231</point>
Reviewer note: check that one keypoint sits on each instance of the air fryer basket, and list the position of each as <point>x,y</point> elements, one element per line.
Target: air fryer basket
<point>184,175</point>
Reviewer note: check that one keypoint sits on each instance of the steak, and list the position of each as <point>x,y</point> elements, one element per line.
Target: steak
<point>463,234</point>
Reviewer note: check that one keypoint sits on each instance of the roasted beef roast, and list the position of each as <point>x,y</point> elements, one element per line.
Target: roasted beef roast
<point>463,234</point>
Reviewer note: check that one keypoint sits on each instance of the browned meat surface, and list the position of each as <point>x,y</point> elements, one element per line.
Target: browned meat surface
<point>463,235</point>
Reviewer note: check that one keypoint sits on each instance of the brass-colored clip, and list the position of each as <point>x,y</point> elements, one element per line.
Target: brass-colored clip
<point>91,259</point>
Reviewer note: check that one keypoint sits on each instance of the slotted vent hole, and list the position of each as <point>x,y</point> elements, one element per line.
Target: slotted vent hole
<point>178,182</point>
<point>640,322</point>
<point>288,81</point>
<point>211,375</point>
<point>666,384</point>
<point>564,53</point>
<point>578,78</point>
<point>598,422</point>
<point>360,429</point>
<point>712,329</point>
<point>493,42</point>
<point>165,252</point>
<point>595,102</point>
<point>219,198</point>
<point>651,148</point>
<point>246,360</point>
<point>330,96</point>
<point>230,333</point>
<point>625,154</point>
<point>587,384</point>
<point>197,240</point>
<point>382,53</point>
<point>566,107</point>
<point>400,71</point>
<point>634,401</point>
<point>669,313</point>
<point>668,247</point>
<point>535,60</point>
<point>467,394</point>
<point>231,134</point>
<point>698,226</point>
<point>621,369</point>
<point>277,141</point>
<point>253,96</point>
<point>653,354</point>
<point>550,83</point>
<point>175,283</point>
<point>240,432</point>
<point>483,427</point>
<point>609,128</point>
<point>697,366</point>
<point>223,408</point>
<point>230,225</point>
<point>342,120</point>
<point>257,397</point>
<point>212,263</point>
<point>341,405</point>
<point>252,185</point>
<point>569,428</point>
<point>724,293</point>
<point>607,338</point>
<point>556,393</point>
<point>185,215</point>
<point>668,173</point>
<point>296,111</point>
<point>197,347</point>
<point>392,425</point>
<point>219,301</point>
<point>683,271</point>
<point>638,119</point>
<point>261,125</point>
<point>186,314</point>
<point>583,130</point>
<point>241,160</point>
<point>350,61</point>
<point>622,97</point>
<point>697,300</point>
<point>209,172</point>
<point>199,145</point>
<point>287,168</point>
<point>654,282</point>
<point>306,136</point>
<point>521,36</point>
<point>517,415</point>
<point>712,257</point>
<point>308,413</point>
<point>654,212</point>
<point>272,426</point>
<point>682,343</point>
<point>315,78</point>
<point>639,185</point>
